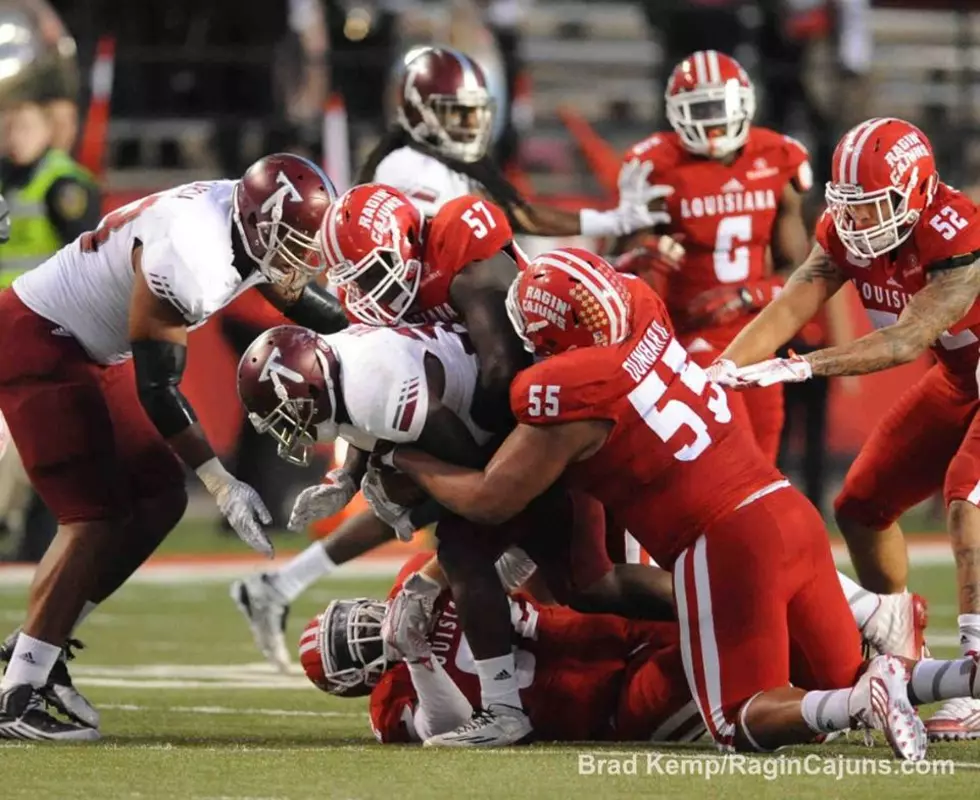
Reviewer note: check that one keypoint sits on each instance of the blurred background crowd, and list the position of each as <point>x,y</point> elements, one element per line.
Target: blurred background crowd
<point>146,95</point>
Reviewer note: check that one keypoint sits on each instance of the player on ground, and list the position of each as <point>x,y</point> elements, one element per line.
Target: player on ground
<point>910,245</point>
<point>617,402</point>
<point>437,151</point>
<point>582,677</point>
<point>103,435</point>
<point>736,208</point>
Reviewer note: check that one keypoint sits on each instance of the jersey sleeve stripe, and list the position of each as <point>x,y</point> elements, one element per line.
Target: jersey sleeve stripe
<point>407,405</point>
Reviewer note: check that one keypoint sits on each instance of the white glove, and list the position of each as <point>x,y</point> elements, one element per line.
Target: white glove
<point>405,628</point>
<point>322,500</point>
<point>723,372</point>
<point>775,370</point>
<point>384,509</point>
<point>633,213</point>
<point>239,503</point>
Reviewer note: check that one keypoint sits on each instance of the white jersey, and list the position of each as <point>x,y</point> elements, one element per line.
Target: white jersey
<point>383,383</point>
<point>427,182</point>
<point>185,233</point>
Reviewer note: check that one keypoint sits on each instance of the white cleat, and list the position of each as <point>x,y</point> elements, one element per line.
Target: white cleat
<point>897,627</point>
<point>956,720</point>
<point>880,701</point>
<point>497,726</point>
<point>266,611</point>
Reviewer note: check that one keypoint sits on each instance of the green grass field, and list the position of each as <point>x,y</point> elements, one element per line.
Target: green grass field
<point>189,712</point>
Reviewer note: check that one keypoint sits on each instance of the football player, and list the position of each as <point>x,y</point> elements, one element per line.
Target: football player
<point>909,243</point>
<point>582,677</point>
<point>372,386</point>
<point>736,208</point>
<point>770,654</point>
<point>91,391</point>
<point>437,151</point>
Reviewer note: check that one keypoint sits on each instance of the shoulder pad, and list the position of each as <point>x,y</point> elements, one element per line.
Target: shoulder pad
<point>425,181</point>
<point>949,232</point>
<point>559,389</point>
<point>466,230</point>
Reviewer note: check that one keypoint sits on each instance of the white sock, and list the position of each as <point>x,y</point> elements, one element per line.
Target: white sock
<point>826,711</point>
<point>31,662</point>
<point>87,609</point>
<point>969,625</point>
<point>934,679</point>
<point>862,602</point>
<point>303,571</point>
<point>498,681</point>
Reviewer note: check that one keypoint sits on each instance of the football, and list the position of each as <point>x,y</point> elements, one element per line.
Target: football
<point>400,488</point>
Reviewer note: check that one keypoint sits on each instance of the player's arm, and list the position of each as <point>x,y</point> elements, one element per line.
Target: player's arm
<point>479,293</point>
<point>529,461</point>
<point>815,281</point>
<point>74,207</point>
<point>312,306</point>
<point>942,303</point>
<point>790,240</point>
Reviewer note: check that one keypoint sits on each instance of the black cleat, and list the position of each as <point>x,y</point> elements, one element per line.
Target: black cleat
<point>22,716</point>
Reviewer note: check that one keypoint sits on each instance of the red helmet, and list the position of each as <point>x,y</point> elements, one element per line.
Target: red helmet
<point>710,103</point>
<point>569,298</point>
<point>341,650</point>
<point>287,382</point>
<point>372,243</point>
<point>277,207</point>
<point>883,176</point>
<point>443,102</point>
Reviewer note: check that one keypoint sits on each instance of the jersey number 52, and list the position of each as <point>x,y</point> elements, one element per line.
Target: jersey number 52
<point>666,420</point>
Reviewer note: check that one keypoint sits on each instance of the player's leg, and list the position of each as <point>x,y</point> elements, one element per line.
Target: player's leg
<point>766,416</point>
<point>264,598</point>
<point>902,463</point>
<point>891,624</point>
<point>468,553</point>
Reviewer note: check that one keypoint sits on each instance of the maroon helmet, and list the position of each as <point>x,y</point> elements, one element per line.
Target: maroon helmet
<point>443,102</point>
<point>287,381</point>
<point>277,207</point>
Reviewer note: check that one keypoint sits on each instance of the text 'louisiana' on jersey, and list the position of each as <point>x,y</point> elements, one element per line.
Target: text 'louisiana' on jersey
<point>724,212</point>
<point>674,460</point>
<point>945,236</point>
<point>187,260</point>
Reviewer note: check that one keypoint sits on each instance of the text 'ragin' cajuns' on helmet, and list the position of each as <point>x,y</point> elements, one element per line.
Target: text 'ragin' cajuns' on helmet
<point>341,650</point>
<point>569,298</point>
<point>277,206</point>
<point>710,102</point>
<point>443,102</point>
<point>882,178</point>
<point>372,243</point>
<point>288,382</point>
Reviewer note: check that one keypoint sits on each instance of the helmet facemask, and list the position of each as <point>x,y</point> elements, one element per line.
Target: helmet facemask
<point>290,422</point>
<point>352,649</point>
<point>516,315</point>
<point>458,125</point>
<point>888,208</point>
<point>699,114</point>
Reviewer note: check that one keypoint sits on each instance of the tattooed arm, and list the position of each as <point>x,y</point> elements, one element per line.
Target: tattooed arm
<point>810,286</point>
<point>942,303</point>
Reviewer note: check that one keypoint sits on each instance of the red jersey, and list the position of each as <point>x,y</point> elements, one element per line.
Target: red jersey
<point>674,461</point>
<point>724,213</point>
<point>465,230</point>
<point>947,236</point>
<point>570,668</point>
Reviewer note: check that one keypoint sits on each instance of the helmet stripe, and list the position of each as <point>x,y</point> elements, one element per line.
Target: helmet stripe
<point>871,127</point>
<point>714,70</point>
<point>469,71</point>
<point>846,146</point>
<point>700,68</point>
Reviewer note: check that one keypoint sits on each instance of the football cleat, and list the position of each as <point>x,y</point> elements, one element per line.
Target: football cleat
<point>266,610</point>
<point>956,720</point>
<point>897,627</point>
<point>60,691</point>
<point>497,726</point>
<point>22,716</point>
<point>880,701</point>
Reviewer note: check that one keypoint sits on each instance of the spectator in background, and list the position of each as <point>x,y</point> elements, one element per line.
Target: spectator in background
<point>52,201</point>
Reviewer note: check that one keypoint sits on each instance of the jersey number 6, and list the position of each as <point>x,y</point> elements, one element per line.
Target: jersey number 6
<point>667,420</point>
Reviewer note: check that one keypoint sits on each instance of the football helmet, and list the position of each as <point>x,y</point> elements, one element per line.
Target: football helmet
<point>372,242</point>
<point>277,207</point>
<point>443,102</point>
<point>569,298</point>
<point>710,102</point>
<point>287,382</point>
<point>883,176</point>
<point>341,650</point>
